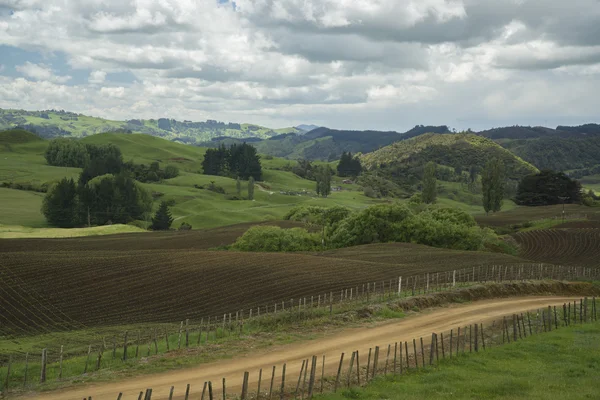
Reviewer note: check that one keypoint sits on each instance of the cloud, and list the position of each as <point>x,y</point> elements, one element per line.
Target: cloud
<point>40,72</point>
<point>380,64</point>
<point>97,77</point>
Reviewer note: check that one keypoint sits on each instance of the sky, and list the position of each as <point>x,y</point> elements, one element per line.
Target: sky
<point>346,64</point>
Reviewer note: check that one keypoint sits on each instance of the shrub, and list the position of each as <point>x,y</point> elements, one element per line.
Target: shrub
<point>185,227</point>
<point>171,171</point>
<point>274,239</point>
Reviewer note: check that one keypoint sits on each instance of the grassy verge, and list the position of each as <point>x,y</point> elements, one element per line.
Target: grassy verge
<point>17,231</point>
<point>564,364</point>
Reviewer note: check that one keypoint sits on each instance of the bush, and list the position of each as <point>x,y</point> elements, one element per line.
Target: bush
<point>171,171</point>
<point>374,224</point>
<point>185,227</point>
<point>317,215</point>
<point>274,239</point>
<point>215,188</point>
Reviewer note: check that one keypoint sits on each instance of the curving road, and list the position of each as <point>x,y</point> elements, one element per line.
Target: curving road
<point>348,340</point>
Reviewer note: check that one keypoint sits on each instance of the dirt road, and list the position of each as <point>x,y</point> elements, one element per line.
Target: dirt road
<point>349,340</point>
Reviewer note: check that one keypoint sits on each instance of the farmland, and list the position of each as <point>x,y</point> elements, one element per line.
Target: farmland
<point>64,289</point>
<point>562,246</point>
<point>520,215</point>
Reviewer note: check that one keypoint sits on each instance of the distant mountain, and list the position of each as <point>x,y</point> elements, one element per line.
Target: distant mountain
<point>560,149</point>
<point>60,123</point>
<point>307,128</point>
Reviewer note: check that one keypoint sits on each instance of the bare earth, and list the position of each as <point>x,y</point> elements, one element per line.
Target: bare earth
<point>347,341</point>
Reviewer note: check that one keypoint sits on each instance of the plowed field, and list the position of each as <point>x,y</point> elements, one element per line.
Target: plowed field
<point>43,291</point>
<point>520,215</point>
<point>578,247</point>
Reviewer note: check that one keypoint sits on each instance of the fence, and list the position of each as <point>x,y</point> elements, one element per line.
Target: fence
<point>133,345</point>
<point>398,358</point>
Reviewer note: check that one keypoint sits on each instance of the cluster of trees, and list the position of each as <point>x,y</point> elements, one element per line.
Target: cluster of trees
<point>438,227</point>
<point>105,192</point>
<point>548,188</point>
<point>103,200</point>
<point>237,160</point>
<point>349,165</point>
<point>152,172</point>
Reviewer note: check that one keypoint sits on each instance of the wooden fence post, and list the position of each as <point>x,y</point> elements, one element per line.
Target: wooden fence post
<point>422,352</point>
<point>43,367</point>
<point>529,323</point>
<point>482,337</point>
<point>171,392</point>
<point>282,391</point>
<point>311,382</point>
<point>349,374</point>
<point>180,331</point>
<point>259,383</point>
<point>187,392</point>
<point>245,386</point>
<point>187,333</point>
<point>271,385</point>
<point>322,374</point>
<point>396,355</point>
<point>432,349</point>
<point>225,388</point>
<point>476,338</point>
<point>125,347</point>
<point>87,360</point>
<point>337,379</point>
<point>26,370</point>
<point>451,337</point>
<point>387,359</point>
<point>443,349</point>
<point>210,392</point>
<point>407,358</point>
<point>368,366</point>
<point>299,379</point>
<point>60,362</point>
<point>375,362</point>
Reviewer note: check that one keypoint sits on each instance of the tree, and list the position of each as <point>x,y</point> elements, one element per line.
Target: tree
<point>60,204</point>
<point>429,193</point>
<point>492,185</point>
<point>162,219</point>
<point>547,188</point>
<point>251,188</point>
<point>323,176</point>
<point>349,166</point>
<point>238,187</point>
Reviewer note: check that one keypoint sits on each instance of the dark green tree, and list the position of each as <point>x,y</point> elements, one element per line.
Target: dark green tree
<point>429,193</point>
<point>238,186</point>
<point>323,176</point>
<point>251,188</point>
<point>547,188</point>
<point>60,204</point>
<point>349,165</point>
<point>492,185</point>
<point>162,219</point>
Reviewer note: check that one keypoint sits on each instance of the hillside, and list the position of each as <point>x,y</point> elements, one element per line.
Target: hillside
<point>459,151</point>
<point>23,167</point>
<point>55,123</point>
<point>324,144</point>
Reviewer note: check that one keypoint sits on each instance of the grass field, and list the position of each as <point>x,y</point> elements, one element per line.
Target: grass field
<point>519,215</point>
<point>564,364</point>
<point>18,231</point>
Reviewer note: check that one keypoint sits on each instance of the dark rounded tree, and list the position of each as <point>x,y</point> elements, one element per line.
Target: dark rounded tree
<point>548,188</point>
<point>162,219</point>
<point>60,204</point>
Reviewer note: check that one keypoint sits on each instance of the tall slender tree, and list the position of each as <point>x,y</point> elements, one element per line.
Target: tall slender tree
<point>251,188</point>
<point>492,185</point>
<point>429,195</point>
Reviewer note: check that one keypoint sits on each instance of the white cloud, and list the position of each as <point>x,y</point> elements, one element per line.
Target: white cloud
<point>97,77</point>
<point>40,72</point>
<point>381,64</point>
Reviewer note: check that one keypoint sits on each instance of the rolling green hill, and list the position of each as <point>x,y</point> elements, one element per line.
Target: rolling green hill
<point>22,165</point>
<point>458,151</point>
<point>54,123</point>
